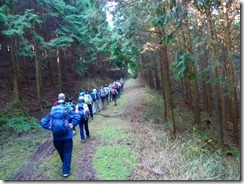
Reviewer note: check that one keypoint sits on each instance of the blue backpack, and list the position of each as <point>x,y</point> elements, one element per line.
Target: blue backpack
<point>94,96</point>
<point>59,120</point>
<point>81,94</point>
<point>81,111</point>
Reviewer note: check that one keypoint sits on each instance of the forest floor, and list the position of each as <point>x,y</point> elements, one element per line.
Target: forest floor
<point>127,114</point>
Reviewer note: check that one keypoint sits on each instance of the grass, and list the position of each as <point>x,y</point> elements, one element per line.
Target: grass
<point>114,158</point>
<point>15,152</point>
<point>52,165</point>
<point>129,83</point>
<point>114,162</point>
<point>116,133</point>
<point>192,156</point>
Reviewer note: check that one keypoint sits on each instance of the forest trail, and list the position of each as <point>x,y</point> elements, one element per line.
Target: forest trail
<point>127,114</point>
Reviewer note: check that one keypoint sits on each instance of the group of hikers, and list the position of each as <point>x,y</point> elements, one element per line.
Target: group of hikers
<point>65,116</point>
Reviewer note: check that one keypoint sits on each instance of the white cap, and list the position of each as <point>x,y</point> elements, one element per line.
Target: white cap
<point>94,90</point>
<point>61,96</point>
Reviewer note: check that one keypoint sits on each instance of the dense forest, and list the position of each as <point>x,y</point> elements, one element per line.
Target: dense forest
<point>186,50</point>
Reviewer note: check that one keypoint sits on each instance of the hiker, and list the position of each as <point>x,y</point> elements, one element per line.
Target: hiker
<point>82,108</point>
<point>82,93</point>
<point>95,98</point>
<point>63,142</point>
<point>110,95</point>
<point>102,95</point>
<point>88,101</point>
<point>107,91</point>
<point>117,86</point>
<point>121,81</point>
<point>114,94</point>
<point>69,104</point>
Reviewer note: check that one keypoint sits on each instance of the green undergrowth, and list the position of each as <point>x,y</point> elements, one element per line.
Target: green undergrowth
<point>20,136</point>
<point>18,124</point>
<point>15,151</point>
<point>193,155</point>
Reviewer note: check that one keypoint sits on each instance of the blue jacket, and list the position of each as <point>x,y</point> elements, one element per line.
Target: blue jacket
<point>73,118</point>
<point>97,95</point>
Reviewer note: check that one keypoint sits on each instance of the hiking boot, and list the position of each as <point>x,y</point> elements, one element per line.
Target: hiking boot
<point>66,175</point>
<point>82,141</point>
<point>88,136</point>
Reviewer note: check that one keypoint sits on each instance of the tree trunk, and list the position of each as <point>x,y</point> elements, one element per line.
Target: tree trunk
<point>59,72</point>
<point>195,81</point>
<point>208,86</point>
<point>233,96</point>
<point>168,93</point>
<point>217,88</point>
<point>38,82</point>
<point>165,113</point>
<point>187,85</point>
<point>15,68</point>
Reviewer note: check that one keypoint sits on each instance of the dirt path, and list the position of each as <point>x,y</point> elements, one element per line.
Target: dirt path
<point>86,170</point>
<point>83,166</point>
<point>28,172</point>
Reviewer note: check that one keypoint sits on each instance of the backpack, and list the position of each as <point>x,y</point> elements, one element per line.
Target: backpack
<point>84,114</point>
<point>88,99</point>
<point>116,86</point>
<point>94,96</point>
<point>69,106</point>
<point>106,90</point>
<point>59,121</point>
<point>113,92</point>
<point>103,93</point>
<point>81,110</point>
<point>81,94</point>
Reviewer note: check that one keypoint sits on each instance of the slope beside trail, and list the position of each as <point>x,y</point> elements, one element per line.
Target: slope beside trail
<point>129,112</point>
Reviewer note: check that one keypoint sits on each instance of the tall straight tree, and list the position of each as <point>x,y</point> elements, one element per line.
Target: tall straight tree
<point>207,8</point>
<point>193,70</point>
<point>15,27</point>
<point>233,93</point>
<point>160,23</point>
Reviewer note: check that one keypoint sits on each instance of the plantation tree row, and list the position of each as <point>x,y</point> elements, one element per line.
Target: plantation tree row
<point>70,33</point>
<point>194,42</point>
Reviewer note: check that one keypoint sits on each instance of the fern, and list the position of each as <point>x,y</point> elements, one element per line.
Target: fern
<point>21,124</point>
